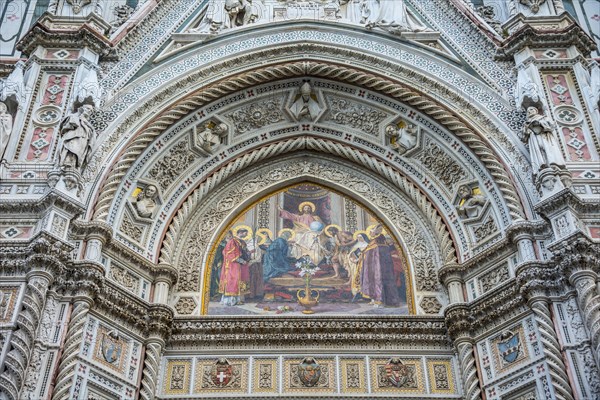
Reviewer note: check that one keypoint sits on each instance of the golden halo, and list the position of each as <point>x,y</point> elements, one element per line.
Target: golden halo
<point>307,203</point>
<point>339,228</point>
<point>370,228</point>
<point>263,234</point>
<point>239,227</point>
<point>355,235</point>
<point>287,230</point>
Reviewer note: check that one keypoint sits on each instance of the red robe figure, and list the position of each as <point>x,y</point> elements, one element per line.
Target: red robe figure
<point>235,274</point>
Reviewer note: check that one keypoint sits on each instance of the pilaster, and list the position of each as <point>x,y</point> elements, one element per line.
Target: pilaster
<point>85,280</point>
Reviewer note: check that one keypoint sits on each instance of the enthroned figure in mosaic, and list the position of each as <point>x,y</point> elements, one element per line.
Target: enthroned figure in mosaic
<point>77,135</point>
<point>309,239</point>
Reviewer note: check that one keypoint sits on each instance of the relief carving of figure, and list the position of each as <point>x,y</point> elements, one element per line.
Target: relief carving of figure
<point>77,138</point>
<point>305,107</point>
<point>403,137</point>
<point>225,14</point>
<point>210,137</point>
<point>144,203</point>
<point>360,11</point>
<point>544,148</point>
<point>395,18</point>
<point>471,202</point>
<point>6,125</point>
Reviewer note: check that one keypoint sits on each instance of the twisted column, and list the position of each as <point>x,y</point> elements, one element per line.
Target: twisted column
<point>154,348</point>
<point>73,340</point>
<point>552,352</point>
<point>160,320</point>
<point>468,367</point>
<point>22,340</point>
<point>588,300</point>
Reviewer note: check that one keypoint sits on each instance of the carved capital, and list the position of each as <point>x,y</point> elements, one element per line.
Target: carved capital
<point>164,272</point>
<point>160,321</point>
<point>535,279</point>
<point>84,279</point>
<point>88,230</point>
<point>459,322</point>
<point>449,273</point>
<point>577,253</point>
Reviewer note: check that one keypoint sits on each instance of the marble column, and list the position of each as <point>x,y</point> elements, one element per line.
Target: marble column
<point>22,340</point>
<point>159,328</point>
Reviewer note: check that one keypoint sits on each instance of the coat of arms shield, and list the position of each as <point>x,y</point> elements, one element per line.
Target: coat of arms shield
<point>111,347</point>
<point>309,372</point>
<point>398,374</point>
<point>221,373</point>
<point>510,346</point>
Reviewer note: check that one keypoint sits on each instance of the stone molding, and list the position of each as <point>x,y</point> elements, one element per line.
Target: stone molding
<point>539,32</point>
<point>52,31</point>
<point>366,332</point>
<point>306,68</point>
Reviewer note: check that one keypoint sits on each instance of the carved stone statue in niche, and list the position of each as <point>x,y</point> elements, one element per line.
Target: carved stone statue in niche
<point>395,18</point>
<point>145,203</point>
<point>539,134</point>
<point>210,137</point>
<point>77,138</point>
<point>225,14</point>
<point>6,126</point>
<point>305,107</point>
<point>360,11</point>
<point>402,136</point>
<point>595,85</point>
<point>471,202</point>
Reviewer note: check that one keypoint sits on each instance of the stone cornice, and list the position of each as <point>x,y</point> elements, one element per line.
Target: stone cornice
<point>528,228</point>
<point>120,252</point>
<point>538,278</point>
<point>36,206</point>
<point>83,279</point>
<point>85,229</point>
<point>123,307</point>
<point>463,319</point>
<point>59,32</point>
<point>489,255</point>
<point>368,332</point>
<point>561,31</point>
<point>577,252</point>
<point>566,197</point>
<point>43,251</point>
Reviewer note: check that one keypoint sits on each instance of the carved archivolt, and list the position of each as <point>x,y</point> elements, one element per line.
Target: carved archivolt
<point>247,79</point>
<point>207,211</point>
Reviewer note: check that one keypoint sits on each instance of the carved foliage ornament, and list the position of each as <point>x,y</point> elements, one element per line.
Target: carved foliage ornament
<point>165,171</point>
<point>357,116</point>
<point>444,167</point>
<point>256,115</point>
